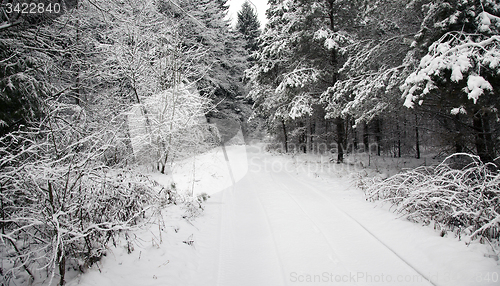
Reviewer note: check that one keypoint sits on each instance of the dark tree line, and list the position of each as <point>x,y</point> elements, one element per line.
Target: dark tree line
<point>407,75</point>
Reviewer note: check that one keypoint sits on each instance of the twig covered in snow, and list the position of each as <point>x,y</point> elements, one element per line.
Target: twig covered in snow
<point>464,200</point>
<point>60,203</point>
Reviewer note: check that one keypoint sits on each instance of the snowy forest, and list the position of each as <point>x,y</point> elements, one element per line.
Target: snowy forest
<point>92,89</point>
<point>407,76</point>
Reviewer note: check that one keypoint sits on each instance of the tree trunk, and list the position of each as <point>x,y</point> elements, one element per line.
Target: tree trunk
<point>355,141</point>
<point>285,135</point>
<point>302,138</point>
<point>308,135</point>
<point>417,139</point>
<point>62,266</point>
<point>326,131</point>
<point>366,138</point>
<point>399,140</point>
<point>378,135</point>
<point>334,75</point>
<point>312,133</point>
<point>458,138</point>
<point>340,139</point>
<point>405,131</point>
<point>483,138</point>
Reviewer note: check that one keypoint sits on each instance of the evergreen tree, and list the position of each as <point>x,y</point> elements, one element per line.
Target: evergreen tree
<point>375,64</point>
<point>202,25</point>
<point>27,48</point>
<point>248,25</point>
<point>458,76</point>
<point>376,61</point>
<point>303,47</point>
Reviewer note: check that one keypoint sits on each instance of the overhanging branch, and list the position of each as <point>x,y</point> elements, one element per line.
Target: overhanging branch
<point>7,25</point>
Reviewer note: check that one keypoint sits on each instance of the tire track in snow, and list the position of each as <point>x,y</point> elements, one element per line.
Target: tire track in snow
<point>332,255</point>
<point>280,258</point>
<point>225,244</point>
<point>242,260</point>
<point>316,226</point>
<point>304,184</point>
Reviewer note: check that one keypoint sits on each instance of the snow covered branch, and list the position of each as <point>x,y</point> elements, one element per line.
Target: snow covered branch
<point>468,58</point>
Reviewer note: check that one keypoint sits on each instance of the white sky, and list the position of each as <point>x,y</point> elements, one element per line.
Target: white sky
<point>235,6</point>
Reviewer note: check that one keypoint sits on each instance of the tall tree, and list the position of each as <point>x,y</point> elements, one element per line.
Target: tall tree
<point>303,47</point>
<point>27,48</point>
<point>204,25</point>
<point>376,61</point>
<point>458,76</point>
<point>367,88</point>
<point>249,26</point>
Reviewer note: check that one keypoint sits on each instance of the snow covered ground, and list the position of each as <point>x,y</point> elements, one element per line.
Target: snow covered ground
<point>283,223</point>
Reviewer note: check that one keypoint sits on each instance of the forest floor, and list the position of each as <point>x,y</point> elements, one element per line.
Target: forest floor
<point>286,220</point>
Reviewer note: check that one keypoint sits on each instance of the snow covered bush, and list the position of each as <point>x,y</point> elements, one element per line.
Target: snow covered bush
<point>463,200</point>
<point>171,125</point>
<point>60,203</point>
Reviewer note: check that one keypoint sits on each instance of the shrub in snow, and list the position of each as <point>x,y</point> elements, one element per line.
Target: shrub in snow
<point>60,203</point>
<point>170,124</point>
<point>464,200</point>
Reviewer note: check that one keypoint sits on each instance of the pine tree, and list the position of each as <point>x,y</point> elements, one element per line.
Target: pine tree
<point>203,24</point>
<point>376,64</point>
<point>27,48</point>
<point>303,47</point>
<point>248,25</point>
<point>458,75</point>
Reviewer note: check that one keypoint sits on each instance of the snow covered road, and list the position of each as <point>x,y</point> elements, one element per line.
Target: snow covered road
<point>277,227</point>
<point>282,224</point>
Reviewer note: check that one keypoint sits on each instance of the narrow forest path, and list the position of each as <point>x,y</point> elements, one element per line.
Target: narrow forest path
<point>279,224</point>
<point>277,227</point>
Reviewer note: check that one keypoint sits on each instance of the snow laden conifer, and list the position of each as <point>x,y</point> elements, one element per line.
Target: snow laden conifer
<point>249,26</point>
<point>29,55</point>
<point>376,61</point>
<point>460,70</point>
<point>204,26</point>
<point>302,48</point>
<point>274,58</point>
